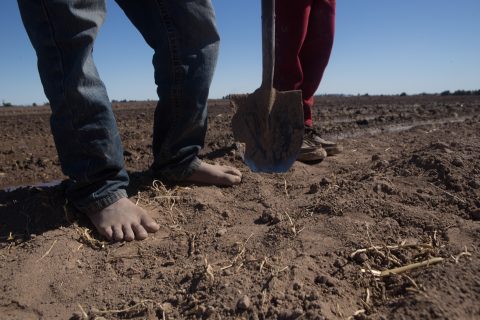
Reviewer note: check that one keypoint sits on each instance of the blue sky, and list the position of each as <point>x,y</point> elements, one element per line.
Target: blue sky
<point>381,47</point>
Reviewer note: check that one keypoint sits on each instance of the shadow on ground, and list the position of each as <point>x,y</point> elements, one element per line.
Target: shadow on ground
<point>30,211</point>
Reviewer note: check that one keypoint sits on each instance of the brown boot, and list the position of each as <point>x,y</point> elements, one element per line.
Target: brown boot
<point>332,148</point>
<point>311,153</point>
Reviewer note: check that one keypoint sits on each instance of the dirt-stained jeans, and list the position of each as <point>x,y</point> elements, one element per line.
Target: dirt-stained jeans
<point>304,39</point>
<point>185,41</point>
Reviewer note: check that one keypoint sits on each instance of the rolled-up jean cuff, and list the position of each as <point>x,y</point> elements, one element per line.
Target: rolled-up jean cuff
<point>101,203</point>
<point>194,165</point>
<point>180,174</point>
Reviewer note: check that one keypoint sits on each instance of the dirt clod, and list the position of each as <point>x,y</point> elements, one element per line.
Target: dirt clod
<point>244,303</point>
<point>475,214</point>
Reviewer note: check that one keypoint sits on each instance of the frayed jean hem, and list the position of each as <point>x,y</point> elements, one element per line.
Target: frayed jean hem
<point>178,174</point>
<point>100,204</point>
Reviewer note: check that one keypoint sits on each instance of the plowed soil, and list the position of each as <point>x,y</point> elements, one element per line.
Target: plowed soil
<point>319,242</point>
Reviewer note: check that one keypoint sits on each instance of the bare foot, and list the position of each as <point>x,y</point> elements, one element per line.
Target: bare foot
<point>123,220</point>
<point>216,175</point>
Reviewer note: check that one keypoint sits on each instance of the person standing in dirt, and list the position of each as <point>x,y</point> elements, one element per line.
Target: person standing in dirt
<point>304,39</point>
<point>185,41</point>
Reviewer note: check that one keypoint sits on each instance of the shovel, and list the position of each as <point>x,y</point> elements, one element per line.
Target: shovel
<point>269,122</point>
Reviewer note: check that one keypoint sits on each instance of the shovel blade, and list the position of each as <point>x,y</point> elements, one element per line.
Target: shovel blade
<point>272,136</point>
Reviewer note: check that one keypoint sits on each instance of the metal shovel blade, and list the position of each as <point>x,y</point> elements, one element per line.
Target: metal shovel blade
<point>269,122</point>
<point>273,137</point>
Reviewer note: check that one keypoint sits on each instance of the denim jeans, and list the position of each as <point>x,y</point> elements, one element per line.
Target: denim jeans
<point>185,41</point>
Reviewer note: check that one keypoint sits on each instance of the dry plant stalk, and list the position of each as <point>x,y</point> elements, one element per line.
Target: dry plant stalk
<point>283,269</point>
<point>367,297</point>
<point>166,196</point>
<point>264,301</point>
<point>138,307</point>
<point>239,254</point>
<point>338,310</point>
<point>138,198</point>
<point>84,314</point>
<point>285,187</point>
<point>208,270</point>
<point>357,313</point>
<point>390,257</point>
<point>406,268</point>
<point>292,224</point>
<point>411,281</point>
<point>10,237</point>
<point>448,193</point>
<point>191,245</point>
<point>273,272</point>
<point>387,253</point>
<point>264,261</point>
<point>112,256</point>
<point>48,251</point>
<point>332,185</point>
<point>405,246</point>
<point>86,237</point>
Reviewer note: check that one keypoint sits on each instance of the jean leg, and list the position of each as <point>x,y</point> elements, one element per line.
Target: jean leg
<point>62,33</point>
<point>185,41</point>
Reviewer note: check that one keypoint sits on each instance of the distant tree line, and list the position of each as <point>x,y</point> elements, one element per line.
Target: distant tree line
<point>461,93</point>
<point>403,94</point>
<point>6,104</point>
<point>9,104</point>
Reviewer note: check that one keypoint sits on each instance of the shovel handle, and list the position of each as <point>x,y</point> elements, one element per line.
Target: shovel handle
<point>268,44</point>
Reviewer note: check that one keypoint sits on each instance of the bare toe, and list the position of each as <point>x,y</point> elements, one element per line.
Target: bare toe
<point>117,233</point>
<point>232,175</point>
<point>234,178</point>
<point>149,224</point>
<point>107,232</point>
<point>128,233</point>
<point>216,175</point>
<point>140,232</point>
<point>123,220</point>
<point>233,171</point>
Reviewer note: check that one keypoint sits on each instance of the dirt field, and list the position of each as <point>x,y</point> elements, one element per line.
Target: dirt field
<point>308,244</point>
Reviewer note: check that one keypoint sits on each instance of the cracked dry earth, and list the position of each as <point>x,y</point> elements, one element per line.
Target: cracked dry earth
<point>320,242</point>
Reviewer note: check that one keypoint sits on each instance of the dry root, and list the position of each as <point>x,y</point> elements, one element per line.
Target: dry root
<point>464,253</point>
<point>86,238</point>
<point>165,196</point>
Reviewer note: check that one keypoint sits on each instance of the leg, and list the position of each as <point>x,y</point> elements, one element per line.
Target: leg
<point>314,58</point>
<point>185,41</point>
<point>291,30</point>
<point>82,122</point>
<point>304,41</point>
<point>317,47</point>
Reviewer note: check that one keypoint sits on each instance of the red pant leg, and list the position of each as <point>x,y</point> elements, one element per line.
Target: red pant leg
<point>317,47</point>
<point>304,38</point>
